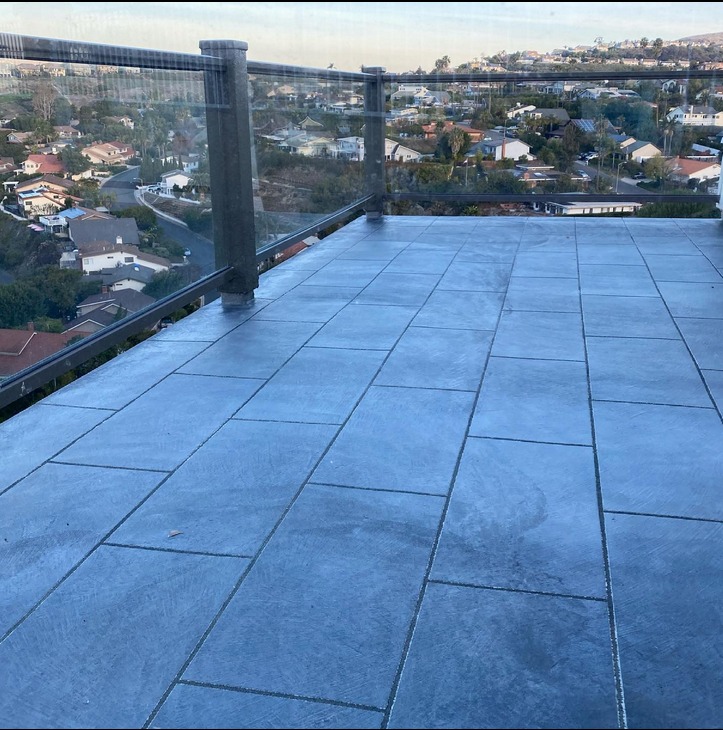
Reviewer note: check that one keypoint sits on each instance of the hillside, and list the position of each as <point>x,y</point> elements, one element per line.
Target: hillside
<point>716,38</point>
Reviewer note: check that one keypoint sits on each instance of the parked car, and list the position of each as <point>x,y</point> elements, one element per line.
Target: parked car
<point>639,176</point>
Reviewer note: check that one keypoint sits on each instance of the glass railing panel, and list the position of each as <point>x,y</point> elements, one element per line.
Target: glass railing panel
<point>639,137</point>
<point>105,206</point>
<point>308,137</point>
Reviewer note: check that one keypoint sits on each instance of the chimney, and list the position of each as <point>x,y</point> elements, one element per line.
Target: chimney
<point>119,240</point>
<point>103,289</point>
<point>31,326</point>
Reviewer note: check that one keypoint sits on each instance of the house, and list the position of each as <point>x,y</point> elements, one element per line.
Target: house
<point>109,153</point>
<point>126,121</point>
<point>20,137</point>
<point>39,201</point>
<point>308,145</point>
<point>685,170</point>
<point>43,164</point>
<point>65,131</point>
<point>174,178</point>
<point>7,164</point>
<point>19,349</point>
<point>501,148</point>
<point>89,232</point>
<point>100,310</point>
<point>691,115</point>
<point>310,124</point>
<point>127,276</point>
<point>519,110</point>
<point>557,115</point>
<point>103,256</point>
<point>431,130</point>
<point>703,152</point>
<point>350,148</point>
<point>589,126</point>
<point>52,183</point>
<point>396,152</point>
<point>190,162</point>
<point>59,222</point>
<point>591,208</point>
<point>640,150</point>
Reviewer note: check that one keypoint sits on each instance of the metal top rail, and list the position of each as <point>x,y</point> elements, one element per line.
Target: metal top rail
<point>30,48</point>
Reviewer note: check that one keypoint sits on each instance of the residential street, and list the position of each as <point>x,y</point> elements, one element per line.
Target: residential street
<point>202,252</point>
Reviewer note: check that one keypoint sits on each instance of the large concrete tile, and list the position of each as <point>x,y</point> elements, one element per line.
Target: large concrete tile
<point>524,516</point>
<point>51,520</point>
<point>682,268</point>
<point>476,276</point>
<point>461,310</point>
<point>644,371</point>
<point>669,610</point>
<point>190,706</point>
<point>543,294</point>
<point>347,273</point>
<point>507,660</point>
<point>714,381</point>
<point>124,378</point>
<point>540,335</point>
<point>326,609</point>
<point>279,280</point>
<point>210,322</point>
<point>399,289</point>
<point>558,265</point>
<point>693,300</point>
<point>660,459</point>
<point>375,249</point>
<point>552,243</point>
<point>671,245</point>
<point>36,434</point>
<point>418,262</point>
<point>616,279</point>
<point>611,316</point>
<point>309,304</point>
<point>365,327</point>
<point>609,253</point>
<point>534,400</point>
<point>103,648</point>
<point>256,349</point>
<point>437,358</point>
<point>704,337</point>
<point>229,495</point>
<point>480,249</point>
<point>318,385</point>
<point>163,426</point>
<point>400,438</point>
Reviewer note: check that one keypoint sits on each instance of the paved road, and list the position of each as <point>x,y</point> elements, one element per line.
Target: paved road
<point>202,252</point>
<point>622,186</point>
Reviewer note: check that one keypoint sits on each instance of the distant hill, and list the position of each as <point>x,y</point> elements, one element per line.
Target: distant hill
<point>716,38</point>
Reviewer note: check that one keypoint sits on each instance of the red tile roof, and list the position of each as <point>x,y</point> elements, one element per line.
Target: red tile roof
<point>20,349</point>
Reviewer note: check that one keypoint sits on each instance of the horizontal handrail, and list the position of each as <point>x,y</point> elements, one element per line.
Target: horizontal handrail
<point>264,68</point>
<point>42,372</point>
<point>311,230</point>
<point>31,48</point>
<point>554,197</point>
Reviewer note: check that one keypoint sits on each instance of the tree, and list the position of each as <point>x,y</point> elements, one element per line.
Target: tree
<point>659,170</point>
<point>644,42</point>
<point>657,46</point>
<point>441,64</point>
<point>44,101</point>
<point>73,160</point>
<point>144,217</point>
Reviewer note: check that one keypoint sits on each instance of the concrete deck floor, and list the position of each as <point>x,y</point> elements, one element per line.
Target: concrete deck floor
<point>447,472</point>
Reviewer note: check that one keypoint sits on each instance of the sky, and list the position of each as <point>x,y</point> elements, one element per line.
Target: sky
<point>398,36</point>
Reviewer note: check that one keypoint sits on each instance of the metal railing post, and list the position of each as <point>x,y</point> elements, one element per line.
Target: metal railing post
<point>374,134</point>
<point>230,152</point>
